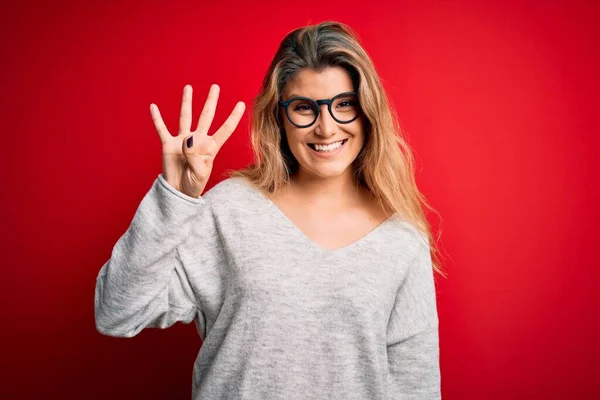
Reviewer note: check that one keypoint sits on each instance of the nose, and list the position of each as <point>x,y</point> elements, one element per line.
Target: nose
<point>325,124</point>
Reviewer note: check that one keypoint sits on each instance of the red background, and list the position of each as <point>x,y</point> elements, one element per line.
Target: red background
<point>498,100</point>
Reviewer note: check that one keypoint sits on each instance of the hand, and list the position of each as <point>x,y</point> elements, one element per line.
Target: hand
<point>188,168</point>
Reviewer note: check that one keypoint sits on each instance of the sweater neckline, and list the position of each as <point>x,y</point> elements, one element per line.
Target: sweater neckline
<point>315,247</point>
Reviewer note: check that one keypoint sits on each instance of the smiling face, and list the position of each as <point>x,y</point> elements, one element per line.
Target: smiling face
<point>316,161</point>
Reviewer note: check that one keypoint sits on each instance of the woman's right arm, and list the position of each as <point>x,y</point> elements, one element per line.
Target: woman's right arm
<point>146,282</point>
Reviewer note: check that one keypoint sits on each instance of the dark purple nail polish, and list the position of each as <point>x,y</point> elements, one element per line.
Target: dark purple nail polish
<point>190,141</point>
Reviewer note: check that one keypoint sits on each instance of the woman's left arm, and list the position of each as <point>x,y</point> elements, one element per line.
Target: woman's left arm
<point>412,334</point>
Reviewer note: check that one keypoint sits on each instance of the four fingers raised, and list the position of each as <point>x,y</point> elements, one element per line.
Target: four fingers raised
<point>206,117</point>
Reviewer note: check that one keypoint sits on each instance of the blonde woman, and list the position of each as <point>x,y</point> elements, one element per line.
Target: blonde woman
<point>310,273</point>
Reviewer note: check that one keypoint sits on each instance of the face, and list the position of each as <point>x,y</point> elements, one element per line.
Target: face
<point>316,161</point>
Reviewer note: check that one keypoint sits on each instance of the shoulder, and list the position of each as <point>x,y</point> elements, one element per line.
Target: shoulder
<point>233,195</point>
<point>407,236</point>
<point>226,189</point>
<point>402,233</point>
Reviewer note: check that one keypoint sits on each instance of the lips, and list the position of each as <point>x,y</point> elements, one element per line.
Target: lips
<point>312,145</point>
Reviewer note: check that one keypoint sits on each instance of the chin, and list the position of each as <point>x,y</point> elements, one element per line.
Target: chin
<point>331,170</point>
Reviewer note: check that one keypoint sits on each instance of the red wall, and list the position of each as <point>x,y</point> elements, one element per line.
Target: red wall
<point>499,102</point>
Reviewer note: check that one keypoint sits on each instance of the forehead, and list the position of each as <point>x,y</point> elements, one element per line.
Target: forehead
<point>319,84</point>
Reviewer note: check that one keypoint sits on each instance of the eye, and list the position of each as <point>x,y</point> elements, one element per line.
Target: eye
<point>302,107</point>
<point>346,102</point>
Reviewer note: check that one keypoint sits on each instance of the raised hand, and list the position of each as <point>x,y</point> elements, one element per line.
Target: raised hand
<point>188,157</point>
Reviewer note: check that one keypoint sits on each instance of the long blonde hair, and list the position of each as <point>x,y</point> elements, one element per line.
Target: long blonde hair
<point>385,164</point>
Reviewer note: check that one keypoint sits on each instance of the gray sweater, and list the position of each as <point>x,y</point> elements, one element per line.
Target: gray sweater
<point>280,317</point>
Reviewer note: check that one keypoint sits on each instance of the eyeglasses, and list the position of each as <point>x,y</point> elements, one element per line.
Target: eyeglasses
<point>304,111</point>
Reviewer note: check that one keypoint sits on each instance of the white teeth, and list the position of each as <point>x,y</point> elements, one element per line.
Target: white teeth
<point>329,147</point>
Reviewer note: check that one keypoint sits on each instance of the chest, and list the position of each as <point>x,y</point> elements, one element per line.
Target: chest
<point>283,268</point>
<point>328,230</point>
<point>298,282</point>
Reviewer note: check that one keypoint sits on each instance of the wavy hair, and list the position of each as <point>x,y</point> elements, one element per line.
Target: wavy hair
<point>385,164</point>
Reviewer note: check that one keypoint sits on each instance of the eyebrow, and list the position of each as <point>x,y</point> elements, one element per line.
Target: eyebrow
<point>297,95</point>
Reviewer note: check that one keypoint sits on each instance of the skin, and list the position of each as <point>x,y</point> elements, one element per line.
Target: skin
<point>323,200</point>
<point>187,168</point>
<point>323,180</point>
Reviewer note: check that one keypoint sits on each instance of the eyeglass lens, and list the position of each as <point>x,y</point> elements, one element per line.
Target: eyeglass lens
<point>304,112</point>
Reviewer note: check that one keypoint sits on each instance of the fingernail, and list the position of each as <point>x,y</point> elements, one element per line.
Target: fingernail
<point>190,141</point>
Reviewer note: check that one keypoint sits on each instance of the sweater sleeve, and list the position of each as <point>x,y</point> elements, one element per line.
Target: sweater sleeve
<point>145,283</point>
<point>412,334</point>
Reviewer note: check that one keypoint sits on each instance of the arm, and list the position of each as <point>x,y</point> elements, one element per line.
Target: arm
<point>145,282</point>
<point>412,334</point>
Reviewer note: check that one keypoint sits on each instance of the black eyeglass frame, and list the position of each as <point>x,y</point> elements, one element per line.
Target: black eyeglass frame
<point>318,103</point>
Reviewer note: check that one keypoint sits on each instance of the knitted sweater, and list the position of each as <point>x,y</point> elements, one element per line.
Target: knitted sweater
<point>280,317</point>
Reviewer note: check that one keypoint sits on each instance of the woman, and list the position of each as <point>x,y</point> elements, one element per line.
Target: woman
<point>308,274</point>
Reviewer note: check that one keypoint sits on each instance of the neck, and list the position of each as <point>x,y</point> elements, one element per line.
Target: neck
<point>342,190</point>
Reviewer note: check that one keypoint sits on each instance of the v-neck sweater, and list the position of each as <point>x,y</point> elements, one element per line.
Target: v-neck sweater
<point>280,317</point>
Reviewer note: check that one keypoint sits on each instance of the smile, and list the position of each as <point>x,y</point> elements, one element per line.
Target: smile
<point>329,150</point>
